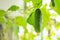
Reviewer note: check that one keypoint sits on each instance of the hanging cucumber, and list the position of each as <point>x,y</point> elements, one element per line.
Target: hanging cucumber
<point>53,4</point>
<point>37,23</point>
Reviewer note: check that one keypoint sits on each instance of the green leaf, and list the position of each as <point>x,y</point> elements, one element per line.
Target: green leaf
<point>37,3</point>
<point>2,13</point>
<point>26,0</point>
<point>30,19</point>
<point>45,16</point>
<point>13,8</point>
<point>30,36</point>
<point>20,21</point>
<point>1,19</point>
<point>57,26</point>
<point>57,4</point>
<point>58,38</point>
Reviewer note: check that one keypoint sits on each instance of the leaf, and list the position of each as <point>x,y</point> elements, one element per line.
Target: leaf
<point>30,36</point>
<point>57,26</point>
<point>57,4</point>
<point>1,19</point>
<point>58,38</point>
<point>52,33</point>
<point>37,3</point>
<point>20,21</point>
<point>26,0</point>
<point>13,8</point>
<point>48,38</point>
<point>2,13</point>
<point>30,19</point>
<point>45,16</point>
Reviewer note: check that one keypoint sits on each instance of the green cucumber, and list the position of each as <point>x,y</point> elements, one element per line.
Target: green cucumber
<point>37,17</point>
<point>53,4</point>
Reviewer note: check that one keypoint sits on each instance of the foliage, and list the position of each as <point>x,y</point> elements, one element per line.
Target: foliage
<point>57,2</point>
<point>8,22</point>
<point>58,38</point>
<point>45,16</point>
<point>26,0</point>
<point>2,14</point>
<point>30,19</point>
<point>37,3</point>
<point>13,8</point>
<point>57,25</point>
<point>33,19</point>
<point>20,21</point>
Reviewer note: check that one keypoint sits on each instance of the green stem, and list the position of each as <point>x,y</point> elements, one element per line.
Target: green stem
<point>0,32</point>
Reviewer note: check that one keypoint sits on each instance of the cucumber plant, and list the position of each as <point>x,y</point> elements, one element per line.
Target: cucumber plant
<point>39,17</point>
<point>2,15</point>
<point>4,19</point>
<point>42,15</point>
<point>39,14</point>
<point>35,17</point>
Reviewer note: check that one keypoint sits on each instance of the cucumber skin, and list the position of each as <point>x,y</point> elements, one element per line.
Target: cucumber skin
<point>38,19</point>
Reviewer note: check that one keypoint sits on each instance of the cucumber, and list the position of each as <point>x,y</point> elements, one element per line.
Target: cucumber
<point>53,4</point>
<point>37,17</point>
